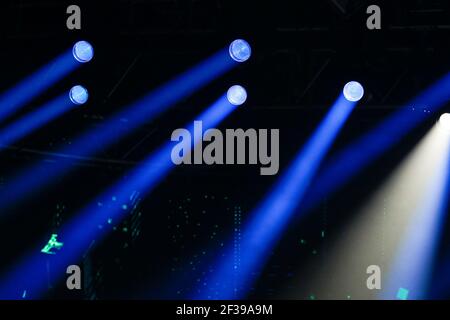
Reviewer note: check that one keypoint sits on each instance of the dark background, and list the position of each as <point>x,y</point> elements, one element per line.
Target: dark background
<point>303,54</point>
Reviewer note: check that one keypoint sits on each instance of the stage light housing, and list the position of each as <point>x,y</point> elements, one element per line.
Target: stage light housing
<point>240,50</point>
<point>79,95</point>
<point>83,51</point>
<point>353,91</point>
<point>237,95</point>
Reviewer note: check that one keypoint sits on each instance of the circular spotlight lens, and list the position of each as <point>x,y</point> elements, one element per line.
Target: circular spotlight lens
<point>240,50</point>
<point>83,51</point>
<point>78,95</point>
<point>353,91</point>
<point>237,95</point>
<point>444,120</point>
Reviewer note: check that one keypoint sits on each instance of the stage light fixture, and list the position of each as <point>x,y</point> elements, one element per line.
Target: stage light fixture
<point>83,51</point>
<point>353,91</point>
<point>78,95</point>
<point>237,95</point>
<point>240,50</point>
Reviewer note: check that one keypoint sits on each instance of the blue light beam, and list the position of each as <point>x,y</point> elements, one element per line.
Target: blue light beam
<point>413,263</point>
<point>268,221</point>
<point>34,120</point>
<point>36,84</point>
<point>112,130</point>
<point>81,231</point>
<point>440,287</point>
<point>369,147</point>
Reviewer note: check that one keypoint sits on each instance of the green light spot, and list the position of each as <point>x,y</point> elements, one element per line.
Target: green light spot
<point>402,294</point>
<point>52,244</point>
